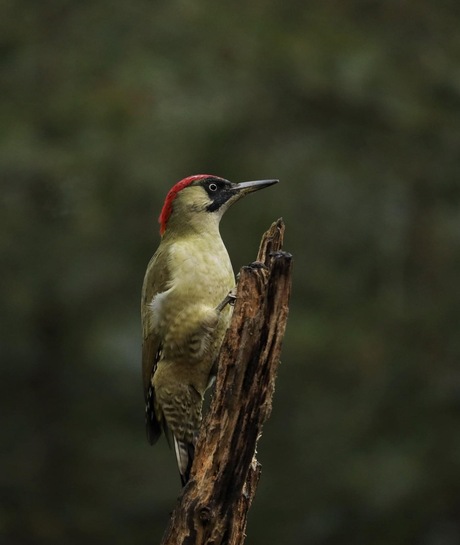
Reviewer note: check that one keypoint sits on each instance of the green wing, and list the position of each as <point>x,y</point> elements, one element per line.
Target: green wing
<point>155,281</point>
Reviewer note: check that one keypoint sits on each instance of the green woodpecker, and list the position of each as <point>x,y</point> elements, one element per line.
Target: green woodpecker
<point>184,308</point>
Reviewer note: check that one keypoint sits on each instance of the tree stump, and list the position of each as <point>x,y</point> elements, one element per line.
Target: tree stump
<point>213,506</point>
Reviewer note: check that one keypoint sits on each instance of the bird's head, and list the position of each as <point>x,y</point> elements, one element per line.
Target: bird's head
<point>198,202</point>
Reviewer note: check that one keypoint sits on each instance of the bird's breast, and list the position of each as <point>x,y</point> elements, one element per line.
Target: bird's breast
<point>200,280</point>
<point>202,271</point>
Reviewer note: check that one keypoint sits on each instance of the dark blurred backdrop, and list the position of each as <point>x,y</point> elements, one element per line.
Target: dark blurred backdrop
<point>355,106</point>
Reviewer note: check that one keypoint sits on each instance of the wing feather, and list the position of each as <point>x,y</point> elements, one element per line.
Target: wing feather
<point>155,281</point>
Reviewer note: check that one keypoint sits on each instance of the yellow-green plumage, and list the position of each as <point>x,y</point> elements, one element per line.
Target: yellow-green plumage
<point>179,313</point>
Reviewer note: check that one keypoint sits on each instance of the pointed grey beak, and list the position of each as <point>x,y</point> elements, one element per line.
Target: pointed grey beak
<point>248,187</point>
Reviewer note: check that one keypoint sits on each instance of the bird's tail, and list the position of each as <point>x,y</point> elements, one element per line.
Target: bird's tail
<point>185,453</point>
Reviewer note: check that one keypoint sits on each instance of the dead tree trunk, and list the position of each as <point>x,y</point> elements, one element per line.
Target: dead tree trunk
<point>213,506</point>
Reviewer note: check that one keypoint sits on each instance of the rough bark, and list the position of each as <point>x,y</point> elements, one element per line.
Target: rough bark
<point>213,506</point>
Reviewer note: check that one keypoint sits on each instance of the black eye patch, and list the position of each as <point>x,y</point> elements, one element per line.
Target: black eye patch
<point>214,186</point>
<point>219,191</point>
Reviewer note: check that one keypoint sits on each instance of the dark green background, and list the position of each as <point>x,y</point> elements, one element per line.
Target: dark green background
<point>355,106</point>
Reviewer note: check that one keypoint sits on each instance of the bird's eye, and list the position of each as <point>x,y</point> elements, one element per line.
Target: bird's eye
<point>212,187</point>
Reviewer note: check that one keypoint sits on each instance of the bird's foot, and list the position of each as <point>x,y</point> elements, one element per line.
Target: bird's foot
<point>229,299</point>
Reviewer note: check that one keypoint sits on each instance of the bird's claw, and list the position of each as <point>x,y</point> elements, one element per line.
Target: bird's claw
<point>229,299</point>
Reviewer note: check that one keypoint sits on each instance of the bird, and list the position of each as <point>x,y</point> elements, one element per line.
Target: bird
<point>186,306</point>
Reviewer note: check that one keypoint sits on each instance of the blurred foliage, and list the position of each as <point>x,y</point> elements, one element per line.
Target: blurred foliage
<point>355,106</point>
